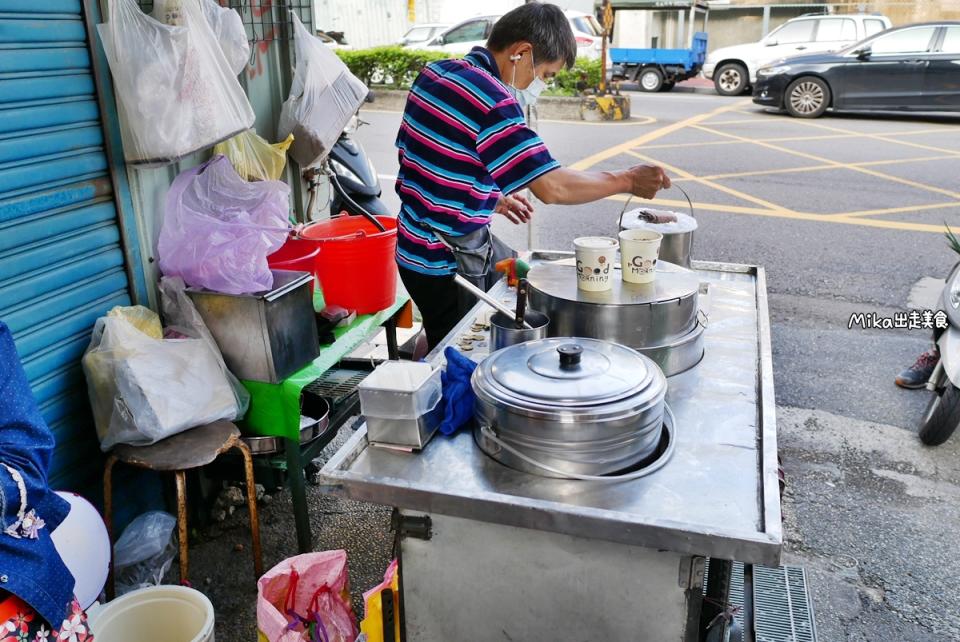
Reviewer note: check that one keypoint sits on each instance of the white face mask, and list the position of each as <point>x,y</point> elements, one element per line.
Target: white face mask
<point>528,96</point>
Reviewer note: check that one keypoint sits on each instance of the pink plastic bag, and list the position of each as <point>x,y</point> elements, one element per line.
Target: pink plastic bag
<point>301,588</point>
<point>218,229</point>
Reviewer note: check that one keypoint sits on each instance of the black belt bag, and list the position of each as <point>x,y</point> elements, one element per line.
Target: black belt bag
<point>476,255</point>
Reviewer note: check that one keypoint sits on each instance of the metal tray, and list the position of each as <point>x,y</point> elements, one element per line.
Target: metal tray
<point>717,496</point>
<point>310,429</point>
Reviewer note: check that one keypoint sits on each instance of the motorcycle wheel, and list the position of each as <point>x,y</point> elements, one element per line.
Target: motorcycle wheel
<point>942,416</point>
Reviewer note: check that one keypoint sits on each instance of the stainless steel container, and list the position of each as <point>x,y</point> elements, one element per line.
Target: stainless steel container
<point>504,331</point>
<point>677,244</point>
<point>580,406</point>
<point>266,336</point>
<point>637,315</point>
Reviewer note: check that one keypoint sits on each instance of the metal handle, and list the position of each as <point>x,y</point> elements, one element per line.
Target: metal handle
<point>486,298</point>
<point>521,301</point>
<point>570,355</point>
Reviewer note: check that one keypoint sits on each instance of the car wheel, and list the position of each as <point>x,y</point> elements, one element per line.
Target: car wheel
<point>731,79</point>
<point>807,97</point>
<point>650,79</point>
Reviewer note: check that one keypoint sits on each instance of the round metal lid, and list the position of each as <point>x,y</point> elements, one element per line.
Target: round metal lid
<point>559,279</point>
<point>569,372</point>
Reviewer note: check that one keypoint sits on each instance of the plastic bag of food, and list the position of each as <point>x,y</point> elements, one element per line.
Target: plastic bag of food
<point>145,551</point>
<point>253,157</point>
<point>304,593</point>
<point>143,389</point>
<point>218,229</point>
<point>324,95</point>
<point>176,92</point>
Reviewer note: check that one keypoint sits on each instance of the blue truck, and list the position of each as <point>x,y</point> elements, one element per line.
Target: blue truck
<point>659,69</point>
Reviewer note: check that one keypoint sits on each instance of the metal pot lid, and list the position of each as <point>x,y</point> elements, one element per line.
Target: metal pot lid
<point>558,279</point>
<point>568,372</point>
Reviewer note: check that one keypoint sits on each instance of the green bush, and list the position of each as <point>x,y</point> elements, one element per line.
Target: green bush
<point>392,65</point>
<point>583,70</point>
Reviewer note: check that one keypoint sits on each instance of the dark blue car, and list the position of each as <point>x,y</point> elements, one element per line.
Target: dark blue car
<point>912,68</point>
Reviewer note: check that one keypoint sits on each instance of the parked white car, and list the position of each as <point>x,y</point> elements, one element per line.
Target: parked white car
<point>420,34</point>
<point>464,36</point>
<point>734,69</point>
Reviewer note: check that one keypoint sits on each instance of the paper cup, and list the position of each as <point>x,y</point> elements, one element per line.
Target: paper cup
<point>595,256</point>
<point>639,250</point>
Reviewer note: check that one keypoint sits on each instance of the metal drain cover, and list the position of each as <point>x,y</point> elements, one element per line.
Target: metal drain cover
<point>783,610</point>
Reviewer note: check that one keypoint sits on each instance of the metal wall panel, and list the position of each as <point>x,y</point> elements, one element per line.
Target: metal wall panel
<point>62,258</point>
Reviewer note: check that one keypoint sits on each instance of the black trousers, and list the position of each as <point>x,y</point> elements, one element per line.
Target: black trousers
<point>440,301</point>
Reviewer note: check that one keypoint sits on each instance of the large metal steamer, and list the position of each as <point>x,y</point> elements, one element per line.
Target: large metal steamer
<point>662,319</point>
<point>493,547</point>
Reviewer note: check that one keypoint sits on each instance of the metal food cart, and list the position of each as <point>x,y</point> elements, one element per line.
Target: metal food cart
<point>492,553</point>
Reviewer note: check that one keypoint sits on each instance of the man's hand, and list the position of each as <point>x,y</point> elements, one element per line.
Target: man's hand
<point>647,180</point>
<point>516,208</point>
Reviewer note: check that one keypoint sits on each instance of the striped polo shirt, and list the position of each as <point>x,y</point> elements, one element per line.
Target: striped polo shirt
<point>462,143</point>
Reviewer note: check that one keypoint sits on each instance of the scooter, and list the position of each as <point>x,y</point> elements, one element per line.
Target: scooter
<point>353,179</point>
<point>943,413</point>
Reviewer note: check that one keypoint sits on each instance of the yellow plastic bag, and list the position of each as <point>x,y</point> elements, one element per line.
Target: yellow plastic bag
<point>253,157</point>
<point>372,624</point>
<point>143,319</point>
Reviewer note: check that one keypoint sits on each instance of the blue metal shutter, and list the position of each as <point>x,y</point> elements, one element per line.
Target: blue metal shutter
<point>61,255</point>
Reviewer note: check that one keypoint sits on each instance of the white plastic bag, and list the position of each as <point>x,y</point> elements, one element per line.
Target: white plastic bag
<point>227,26</point>
<point>145,551</point>
<point>324,95</point>
<point>144,389</point>
<point>176,92</point>
<point>182,316</point>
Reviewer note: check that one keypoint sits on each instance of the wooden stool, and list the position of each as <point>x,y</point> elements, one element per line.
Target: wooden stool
<point>182,452</point>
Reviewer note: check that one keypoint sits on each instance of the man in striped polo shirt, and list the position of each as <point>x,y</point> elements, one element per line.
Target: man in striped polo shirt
<point>465,151</point>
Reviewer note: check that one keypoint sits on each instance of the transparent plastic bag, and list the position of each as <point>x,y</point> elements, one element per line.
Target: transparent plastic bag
<point>218,229</point>
<point>176,92</point>
<point>324,95</point>
<point>144,389</point>
<point>253,157</point>
<point>227,26</point>
<point>182,316</point>
<point>145,551</point>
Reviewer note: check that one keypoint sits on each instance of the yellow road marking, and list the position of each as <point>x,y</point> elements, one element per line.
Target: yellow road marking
<point>610,152</point>
<point>898,210</point>
<point>836,164</point>
<point>815,168</point>
<point>634,121</point>
<point>786,139</point>
<point>841,219</point>
<point>880,137</point>
<point>717,186</point>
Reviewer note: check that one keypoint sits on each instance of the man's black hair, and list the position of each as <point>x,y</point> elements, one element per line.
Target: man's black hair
<point>542,25</point>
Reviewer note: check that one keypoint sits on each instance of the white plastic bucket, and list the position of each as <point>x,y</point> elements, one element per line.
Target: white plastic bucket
<point>155,614</point>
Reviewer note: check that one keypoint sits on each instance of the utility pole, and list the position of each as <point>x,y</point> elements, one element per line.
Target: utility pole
<point>607,27</point>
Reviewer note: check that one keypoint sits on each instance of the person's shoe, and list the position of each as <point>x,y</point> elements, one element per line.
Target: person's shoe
<point>917,375</point>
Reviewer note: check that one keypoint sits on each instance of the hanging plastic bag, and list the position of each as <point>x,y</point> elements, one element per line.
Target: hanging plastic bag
<point>306,598</point>
<point>143,389</point>
<point>218,229</point>
<point>373,607</point>
<point>227,26</point>
<point>253,157</point>
<point>324,95</point>
<point>176,92</point>
<point>145,551</point>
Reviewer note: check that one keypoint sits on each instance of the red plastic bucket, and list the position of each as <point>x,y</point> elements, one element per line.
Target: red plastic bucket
<point>296,254</point>
<point>356,266</point>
